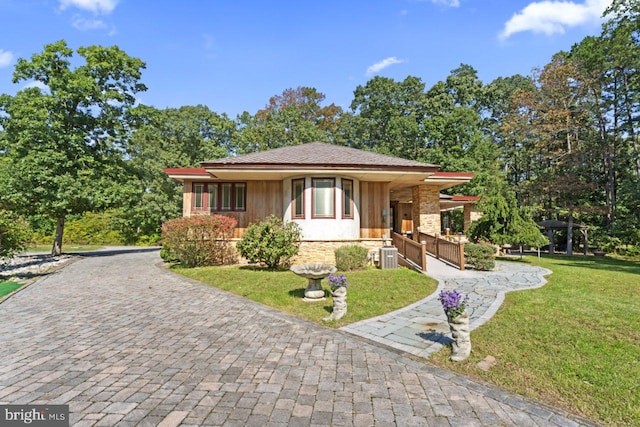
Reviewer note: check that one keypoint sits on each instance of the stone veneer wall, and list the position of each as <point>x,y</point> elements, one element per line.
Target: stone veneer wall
<point>470,214</point>
<point>323,251</point>
<point>425,209</point>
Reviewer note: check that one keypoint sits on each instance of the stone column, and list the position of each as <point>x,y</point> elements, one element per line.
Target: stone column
<point>470,214</point>
<point>425,210</point>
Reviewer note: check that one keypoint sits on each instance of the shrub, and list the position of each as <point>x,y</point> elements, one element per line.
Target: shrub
<point>351,257</point>
<point>271,242</point>
<point>93,228</point>
<point>168,255</point>
<point>14,234</point>
<point>480,256</point>
<point>149,240</point>
<point>198,240</point>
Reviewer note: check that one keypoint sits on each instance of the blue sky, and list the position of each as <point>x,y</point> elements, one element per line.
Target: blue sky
<point>234,55</point>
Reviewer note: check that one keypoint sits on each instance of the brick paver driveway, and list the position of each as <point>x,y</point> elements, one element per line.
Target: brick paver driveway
<point>124,342</point>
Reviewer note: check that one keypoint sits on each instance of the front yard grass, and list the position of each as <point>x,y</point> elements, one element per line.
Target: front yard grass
<point>370,293</point>
<point>65,248</point>
<point>7,287</point>
<point>574,343</point>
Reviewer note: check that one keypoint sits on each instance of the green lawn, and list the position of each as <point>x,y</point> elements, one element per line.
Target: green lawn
<point>7,287</point>
<point>574,343</point>
<point>371,292</point>
<point>65,248</point>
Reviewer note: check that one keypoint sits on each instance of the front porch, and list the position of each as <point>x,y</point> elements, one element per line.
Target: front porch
<point>419,208</point>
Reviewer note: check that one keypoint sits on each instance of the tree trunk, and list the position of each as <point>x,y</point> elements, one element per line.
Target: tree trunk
<point>570,231</point>
<point>630,127</point>
<point>57,242</point>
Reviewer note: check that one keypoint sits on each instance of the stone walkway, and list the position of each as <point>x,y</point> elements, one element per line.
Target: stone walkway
<point>421,329</point>
<point>125,342</point>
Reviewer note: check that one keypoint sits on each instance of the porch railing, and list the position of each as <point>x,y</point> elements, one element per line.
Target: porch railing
<point>446,250</point>
<point>411,251</point>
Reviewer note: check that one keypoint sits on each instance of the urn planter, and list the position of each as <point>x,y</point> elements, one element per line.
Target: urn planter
<point>461,346</point>
<point>339,304</point>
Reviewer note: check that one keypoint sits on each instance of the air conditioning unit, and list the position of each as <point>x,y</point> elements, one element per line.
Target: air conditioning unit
<point>388,257</point>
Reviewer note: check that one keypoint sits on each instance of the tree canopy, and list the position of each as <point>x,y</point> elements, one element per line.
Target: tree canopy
<point>66,132</point>
<point>561,143</point>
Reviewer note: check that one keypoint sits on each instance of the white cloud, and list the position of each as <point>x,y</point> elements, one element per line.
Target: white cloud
<point>84,24</point>
<point>6,58</point>
<point>552,17</point>
<point>96,6</point>
<point>382,65</point>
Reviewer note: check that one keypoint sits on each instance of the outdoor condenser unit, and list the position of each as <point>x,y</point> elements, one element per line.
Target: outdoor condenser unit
<point>388,257</point>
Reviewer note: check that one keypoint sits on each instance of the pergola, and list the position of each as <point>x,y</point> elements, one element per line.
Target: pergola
<point>551,226</point>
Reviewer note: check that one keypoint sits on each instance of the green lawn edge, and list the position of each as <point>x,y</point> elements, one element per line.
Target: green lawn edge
<point>573,343</point>
<point>370,292</point>
<point>8,287</point>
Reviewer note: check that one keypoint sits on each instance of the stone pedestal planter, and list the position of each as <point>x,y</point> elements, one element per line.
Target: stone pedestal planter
<point>339,304</point>
<point>314,273</point>
<point>461,346</point>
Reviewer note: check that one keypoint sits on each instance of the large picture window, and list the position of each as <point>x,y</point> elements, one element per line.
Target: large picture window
<point>323,197</point>
<point>219,196</point>
<point>347,198</point>
<point>297,198</point>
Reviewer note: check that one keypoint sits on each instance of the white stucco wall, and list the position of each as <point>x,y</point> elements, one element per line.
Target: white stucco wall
<point>324,228</point>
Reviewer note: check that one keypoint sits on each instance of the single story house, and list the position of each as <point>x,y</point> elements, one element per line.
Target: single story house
<point>338,195</point>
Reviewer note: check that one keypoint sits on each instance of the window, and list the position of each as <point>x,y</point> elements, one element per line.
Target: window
<point>198,196</point>
<point>216,197</point>
<point>323,197</point>
<point>213,197</point>
<point>240,196</point>
<point>347,198</point>
<point>226,197</point>
<point>297,198</point>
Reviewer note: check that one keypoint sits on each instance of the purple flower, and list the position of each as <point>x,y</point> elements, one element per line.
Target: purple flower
<point>337,281</point>
<point>453,303</point>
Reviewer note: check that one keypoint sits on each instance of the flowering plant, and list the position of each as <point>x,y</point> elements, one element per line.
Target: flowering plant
<point>453,303</point>
<point>337,281</point>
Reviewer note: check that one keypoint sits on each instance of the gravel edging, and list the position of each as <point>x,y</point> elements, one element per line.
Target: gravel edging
<point>36,271</point>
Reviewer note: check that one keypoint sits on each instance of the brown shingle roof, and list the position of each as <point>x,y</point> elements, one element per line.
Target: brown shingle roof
<point>319,154</point>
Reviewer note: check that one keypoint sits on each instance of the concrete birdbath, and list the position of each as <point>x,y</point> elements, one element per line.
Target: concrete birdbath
<point>314,273</point>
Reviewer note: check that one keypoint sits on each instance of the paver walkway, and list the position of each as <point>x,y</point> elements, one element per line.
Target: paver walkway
<point>421,328</point>
<point>124,342</point>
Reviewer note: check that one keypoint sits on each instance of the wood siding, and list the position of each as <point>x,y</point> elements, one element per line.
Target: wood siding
<point>374,198</point>
<point>263,199</point>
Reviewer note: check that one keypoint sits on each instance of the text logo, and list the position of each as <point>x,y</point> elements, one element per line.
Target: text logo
<point>34,415</point>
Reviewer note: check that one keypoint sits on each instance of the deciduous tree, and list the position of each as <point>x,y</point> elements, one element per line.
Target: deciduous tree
<point>66,132</point>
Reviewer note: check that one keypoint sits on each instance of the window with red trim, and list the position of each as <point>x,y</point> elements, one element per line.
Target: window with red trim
<point>219,196</point>
<point>347,198</point>
<point>323,197</point>
<point>297,198</point>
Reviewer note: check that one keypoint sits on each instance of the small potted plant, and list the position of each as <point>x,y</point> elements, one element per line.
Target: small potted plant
<point>338,284</point>
<point>454,305</point>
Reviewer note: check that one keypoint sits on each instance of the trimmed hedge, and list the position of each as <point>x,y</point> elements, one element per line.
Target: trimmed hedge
<point>199,240</point>
<point>351,257</point>
<point>480,256</point>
